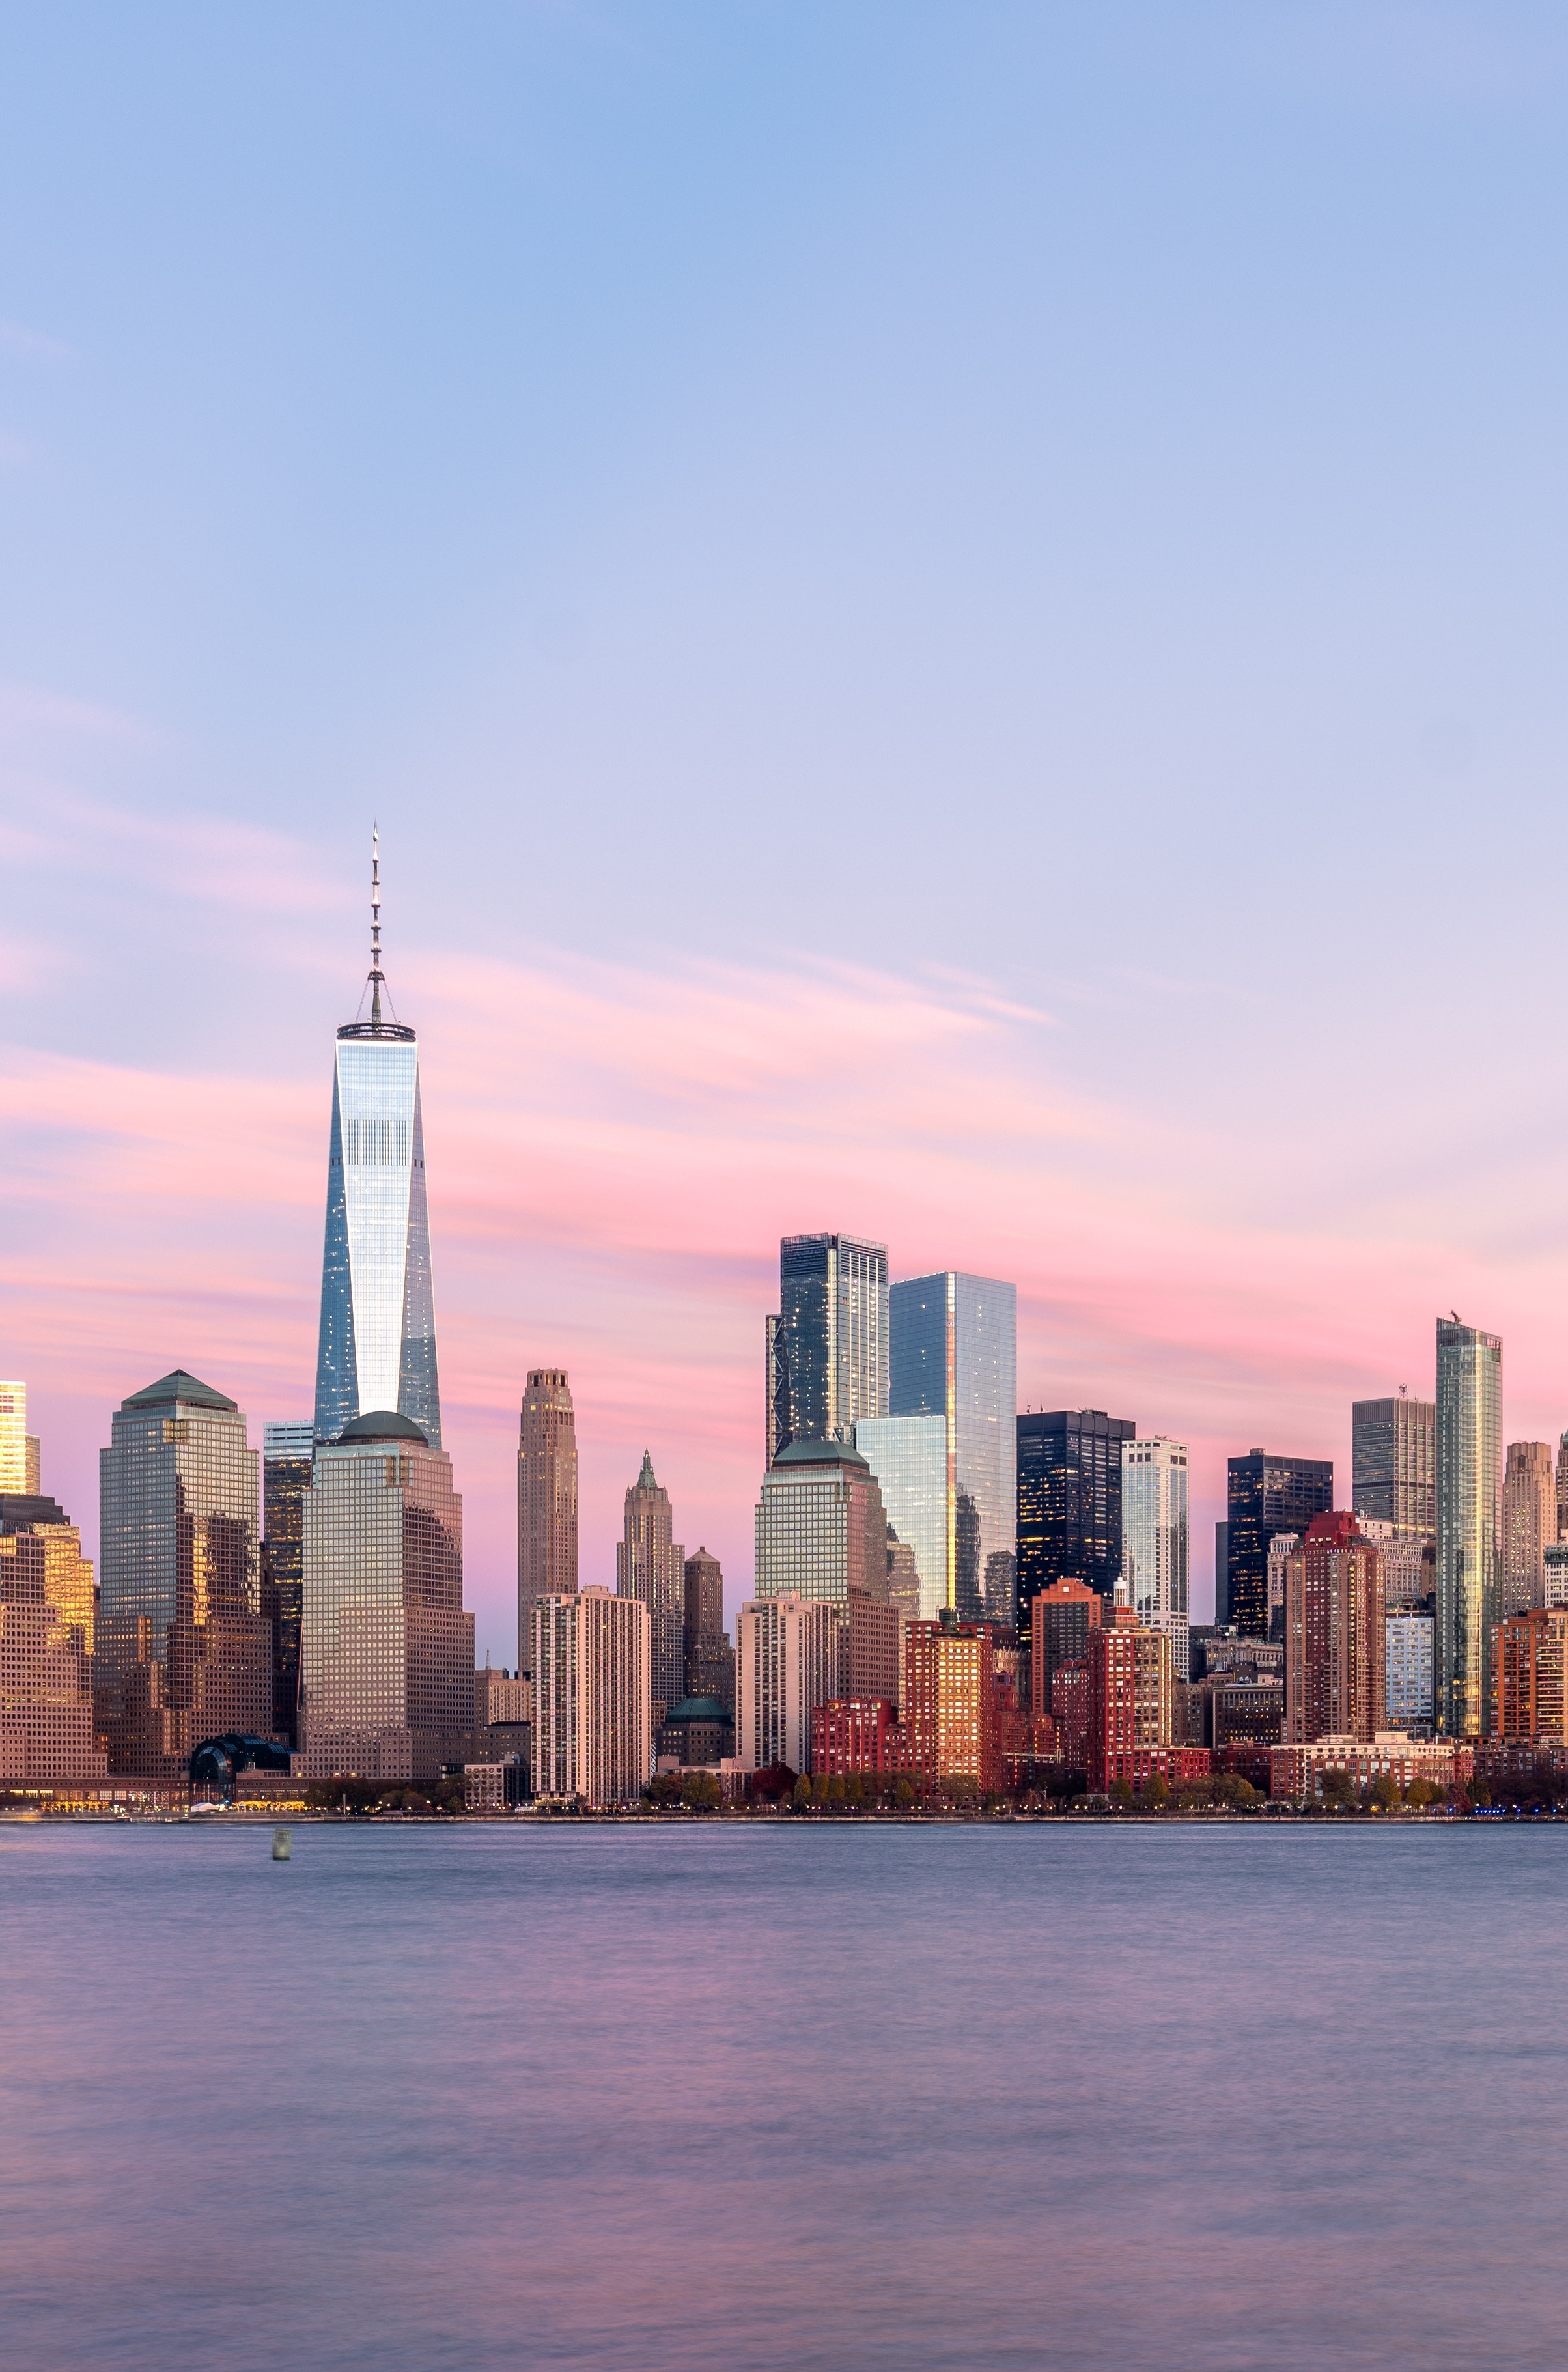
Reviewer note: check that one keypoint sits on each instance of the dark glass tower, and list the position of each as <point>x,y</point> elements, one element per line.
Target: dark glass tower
<point>1268,1494</point>
<point>1069,1501</point>
<point>286,1453</point>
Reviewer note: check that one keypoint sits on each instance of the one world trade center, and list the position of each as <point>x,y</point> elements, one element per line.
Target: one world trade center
<point>378,1342</point>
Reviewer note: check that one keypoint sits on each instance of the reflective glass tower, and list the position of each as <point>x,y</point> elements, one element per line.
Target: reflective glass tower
<point>1470,1392</point>
<point>378,1342</point>
<point>827,1349</point>
<point>953,1354</point>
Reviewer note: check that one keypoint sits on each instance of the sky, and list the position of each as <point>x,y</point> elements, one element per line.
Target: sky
<point>952,616</point>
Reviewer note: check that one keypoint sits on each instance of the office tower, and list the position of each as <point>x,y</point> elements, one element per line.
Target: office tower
<point>1394,1464</point>
<point>19,1465</point>
<point>1267,1494</point>
<point>651,1567</point>
<point>547,1497</point>
<point>1336,1643</point>
<point>710,1659</point>
<point>183,1651</point>
<point>1527,1681</point>
<point>591,1651</point>
<point>953,1354</point>
<point>1469,1393</point>
<point>286,1454</point>
<point>1529,1526</point>
<point>386,1676</point>
<point>1410,1565</point>
<point>1221,1575</point>
<point>908,1456</point>
<point>789,1660</point>
<point>697,1735</point>
<point>47,1733</point>
<point>903,1577</point>
<point>1555,1582</point>
<point>377,1349</point>
<point>1156,1548</point>
<point>1069,1502</point>
<point>949,1708</point>
<point>1281,1548</point>
<point>827,1349</point>
<point>1065,1615</point>
<point>1408,1698</point>
<point>1562,1488</point>
<point>821,1529</point>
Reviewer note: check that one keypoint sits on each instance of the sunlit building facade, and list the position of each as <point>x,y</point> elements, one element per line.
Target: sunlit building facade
<point>377,1344</point>
<point>953,1354</point>
<point>821,1527</point>
<point>288,1451</point>
<point>387,1682</point>
<point>19,1466</point>
<point>47,1730</point>
<point>184,1650</point>
<point>789,1660</point>
<point>1155,1539</point>
<point>1529,1652</point>
<point>592,1697</point>
<point>1470,1392</point>
<point>911,1459</point>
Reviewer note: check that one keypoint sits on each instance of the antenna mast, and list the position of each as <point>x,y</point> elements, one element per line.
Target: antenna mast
<point>375,973</point>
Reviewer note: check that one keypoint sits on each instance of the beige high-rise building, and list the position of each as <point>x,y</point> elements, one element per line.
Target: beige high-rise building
<point>1529,1526</point>
<point>47,1732</point>
<point>386,1674</point>
<point>789,1659</point>
<point>547,1498</point>
<point>19,1465</point>
<point>651,1567</point>
<point>1469,1519</point>
<point>1562,1488</point>
<point>592,1704</point>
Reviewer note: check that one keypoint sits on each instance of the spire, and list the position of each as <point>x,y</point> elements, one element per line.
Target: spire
<point>645,1479</point>
<point>375,973</point>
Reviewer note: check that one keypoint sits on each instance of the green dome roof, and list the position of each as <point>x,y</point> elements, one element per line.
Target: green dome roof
<point>693,1709</point>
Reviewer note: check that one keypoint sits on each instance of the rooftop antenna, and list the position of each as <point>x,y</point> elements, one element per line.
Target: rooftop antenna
<point>375,972</point>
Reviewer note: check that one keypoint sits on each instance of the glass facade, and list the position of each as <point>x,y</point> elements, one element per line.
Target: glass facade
<point>1393,1463</point>
<point>286,1454</point>
<point>1156,1547</point>
<point>827,1349</point>
<point>821,1528</point>
<point>953,1354</point>
<point>184,1652</point>
<point>47,1732</point>
<point>1469,1389</point>
<point>1069,1501</point>
<point>909,1455</point>
<point>387,1684</point>
<point>14,1480</point>
<point>1266,1494</point>
<point>376,1347</point>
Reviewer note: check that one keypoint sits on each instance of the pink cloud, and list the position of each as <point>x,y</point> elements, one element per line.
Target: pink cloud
<point>614,1151</point>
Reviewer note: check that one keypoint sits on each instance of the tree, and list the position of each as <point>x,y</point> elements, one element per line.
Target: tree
<point>663,1790</point>
<point>701,1791</point>
<point>903,1792</point>
<point>1383,1794</point>
<point>1122,1796</point>
<point>854,1788</point>
<point>1337,1789</point>
<point>801,1793</point>
<point>1156,1795</point>
<point>835,1790</point>
<point>772,1785</point>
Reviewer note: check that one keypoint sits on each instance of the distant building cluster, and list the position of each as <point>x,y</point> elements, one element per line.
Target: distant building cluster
<point>949,1595</point>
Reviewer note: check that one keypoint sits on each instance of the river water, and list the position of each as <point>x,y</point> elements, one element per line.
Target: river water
<point>867,2100</point>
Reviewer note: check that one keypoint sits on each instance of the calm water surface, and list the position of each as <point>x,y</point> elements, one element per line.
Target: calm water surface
<point>882,2098</point>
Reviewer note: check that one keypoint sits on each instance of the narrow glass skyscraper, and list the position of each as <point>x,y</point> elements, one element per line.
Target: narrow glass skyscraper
<point>1470,1393</point>
<point>377,1349</point>
<point>1155,1541</point>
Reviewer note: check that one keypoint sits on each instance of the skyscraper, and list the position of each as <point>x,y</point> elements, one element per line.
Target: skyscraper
<point>386,1686</point>
<point>47,1732</point>
<point>1562,1488</point>
<point>650,1565</point>
<point>1155,1545</point>
<point>1529,1526</point>
<point>710,1659</point>
<point>593,1730</point>
<point>184,1650</point>
<point>1470,1392</point>
<point>19,1475</point>
<point>1393,1463</point>
<point>953,1354</point>
<point>1336,1644</point>
<point>789,1656</point>
<point>821,1529</point>
<point>827,1349</point>
<point>908,1457</point>
<point>1069,1501</point>
<point>1267,1494</point>
<point>547,1498</point>
<point>286,1454</point>
<point>377,1349</point>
